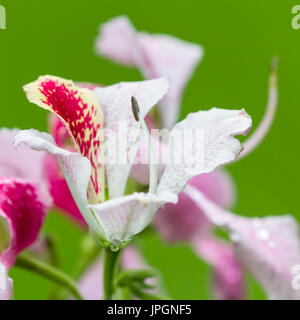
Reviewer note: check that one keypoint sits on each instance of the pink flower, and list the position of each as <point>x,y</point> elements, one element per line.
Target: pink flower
<point>117,220</point>
<point>24,201</point>
<point>185,221</point>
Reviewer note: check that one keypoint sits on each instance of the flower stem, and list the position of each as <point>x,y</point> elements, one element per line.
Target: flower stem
<point>44,269</point>
<point>110,262</point>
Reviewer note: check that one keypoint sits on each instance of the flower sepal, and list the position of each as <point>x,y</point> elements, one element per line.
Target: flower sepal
<point>114,246</point>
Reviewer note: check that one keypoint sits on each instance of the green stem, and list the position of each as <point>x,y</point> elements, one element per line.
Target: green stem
<point>110,262</point>
<point>44,269</point>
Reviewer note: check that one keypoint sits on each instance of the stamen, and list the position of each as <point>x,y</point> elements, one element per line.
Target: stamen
<point>273,72</point>
<point>259,134</point>
<point>135,108</point>
<point>151,154</point>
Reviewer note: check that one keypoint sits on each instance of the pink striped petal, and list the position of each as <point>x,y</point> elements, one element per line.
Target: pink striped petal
<point>156,56</point>
<point>6,284</point>
<point>23,205</point>
<point>212,144</point>
<point>268,247</point>
<point>80,112</point>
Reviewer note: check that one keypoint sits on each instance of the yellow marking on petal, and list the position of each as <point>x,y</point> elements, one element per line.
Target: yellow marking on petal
<point>81,113</point>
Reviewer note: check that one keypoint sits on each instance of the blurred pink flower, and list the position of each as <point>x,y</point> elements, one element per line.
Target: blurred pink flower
<point>269,247</point>
<point>185,221</point>
<point>24,198</point>
<point>24,201</point>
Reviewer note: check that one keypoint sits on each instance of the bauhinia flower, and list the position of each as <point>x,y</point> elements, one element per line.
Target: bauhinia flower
<point>118,219</point>
<point>24,201</point>
<point>162,55</point>
<point>79,110</point>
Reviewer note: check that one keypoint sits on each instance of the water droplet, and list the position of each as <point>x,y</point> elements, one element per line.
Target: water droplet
<point>263,235</point>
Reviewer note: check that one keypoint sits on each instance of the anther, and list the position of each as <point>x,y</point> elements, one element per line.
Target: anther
<point>135,108</point>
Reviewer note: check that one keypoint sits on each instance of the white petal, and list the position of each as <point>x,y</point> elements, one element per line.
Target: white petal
<point>156,55</point>
<point>201,143</point>
<point>118,117</point>
<point>268,247</point>
<point>22,163</point>
<point>167,56</point>
<point>117,40</point>
<point>76,170</point>
<point>126,216</point>
<point>6,284</point>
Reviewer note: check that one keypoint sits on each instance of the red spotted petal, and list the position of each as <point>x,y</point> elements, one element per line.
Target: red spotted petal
<point>23,206</point>
<point>80,111</point>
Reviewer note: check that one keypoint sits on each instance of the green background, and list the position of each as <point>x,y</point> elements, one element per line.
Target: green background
<point>240,38</point>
